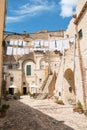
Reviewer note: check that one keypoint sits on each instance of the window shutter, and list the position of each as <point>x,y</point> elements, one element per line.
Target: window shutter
<point>28,69</point>
<point>80,33</point>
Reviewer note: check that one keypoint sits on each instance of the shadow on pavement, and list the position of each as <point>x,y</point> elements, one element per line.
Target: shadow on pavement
<point>23,117</point>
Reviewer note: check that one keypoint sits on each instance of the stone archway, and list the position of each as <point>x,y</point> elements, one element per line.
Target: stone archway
<point>69,86</point>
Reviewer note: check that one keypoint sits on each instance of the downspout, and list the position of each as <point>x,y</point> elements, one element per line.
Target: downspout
<point>80,61</point>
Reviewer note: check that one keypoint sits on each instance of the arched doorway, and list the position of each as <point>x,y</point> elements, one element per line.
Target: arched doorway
<point>69,87</point>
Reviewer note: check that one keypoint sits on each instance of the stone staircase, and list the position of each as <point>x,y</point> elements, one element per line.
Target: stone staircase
<point>44,91</point>
<point>41,96</point>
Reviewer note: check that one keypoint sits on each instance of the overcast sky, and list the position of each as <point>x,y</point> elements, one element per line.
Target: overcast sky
<point>35,15</point>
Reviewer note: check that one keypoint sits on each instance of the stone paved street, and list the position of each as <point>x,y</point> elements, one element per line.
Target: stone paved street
<point>31,114</point>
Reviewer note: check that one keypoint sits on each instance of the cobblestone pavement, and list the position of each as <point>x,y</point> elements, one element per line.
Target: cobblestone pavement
<point>31,114</point>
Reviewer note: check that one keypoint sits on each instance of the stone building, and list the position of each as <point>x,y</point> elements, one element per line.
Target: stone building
<point>60,73</point>
<point>36,70</point>
<point>2,23</point>
<point>73,86</point>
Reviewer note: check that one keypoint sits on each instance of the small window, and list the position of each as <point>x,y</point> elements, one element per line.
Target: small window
<point>11,79</point>
<point>8,43</point>
<point>70,89</point>
<point>10,66</point>
<point>28,69</point>
<point>59,93</point>
<point>40,80</point>
<point>55,65</point>
<point>80,35</point>
<point>23,83</point>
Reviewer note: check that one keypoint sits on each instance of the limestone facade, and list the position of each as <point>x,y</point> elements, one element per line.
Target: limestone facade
<point>37,60</point>
<point>70,68</point>
<point>2,22</point>
<point>73,72</point>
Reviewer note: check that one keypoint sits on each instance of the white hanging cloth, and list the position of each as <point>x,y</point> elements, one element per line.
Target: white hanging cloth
<point>22,51</point>
<point>46,43</point>
<point>59,45</point>
<point>42,43</point>
<point>16,42</point>
<point>32,43</point>
<point>37,44</point>
<point>52,45</point>
<point>24,43</point>
<point>72,39</point>
<point>12,42</point>
<point>20,43</point>
<point>14,51</point>
<point>19,52</point>
<point>66,44</point>
<point>9,50</point>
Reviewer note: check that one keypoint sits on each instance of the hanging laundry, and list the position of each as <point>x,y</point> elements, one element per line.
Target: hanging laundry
<point>62,48</point>
<point>52,45</point>
<point>9,50</point>
<point>20,43</point>
<point>24,43</point>
<point>16,42</point>
<point>59,44</point>
<point>14,51</point>
<point>19,52</point>
<point>32,43</point>
<point>46,43</point>
<point>55,44</point>
<point>42,43</point>
<point>11,42</point>
<point>37,44</point>
<point>72,39</point>
<point>22,51</point>
<point>66,44</point>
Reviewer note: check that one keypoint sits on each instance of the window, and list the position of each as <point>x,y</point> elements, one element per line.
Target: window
<point>80,33</point>
<point>10,66</point>
<point>55,65</point>
<point>59,93</point>
<point>11,79</point>
<point>70,89</point>
<point>8,43</point>
<point>28,70</point>
<point>23,83</point>
<point>40,80</point>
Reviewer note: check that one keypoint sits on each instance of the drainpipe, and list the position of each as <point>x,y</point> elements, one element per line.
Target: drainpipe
<point>80,61</point>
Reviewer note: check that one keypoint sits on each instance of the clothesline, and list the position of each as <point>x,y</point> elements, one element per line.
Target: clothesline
<point>20,47</point>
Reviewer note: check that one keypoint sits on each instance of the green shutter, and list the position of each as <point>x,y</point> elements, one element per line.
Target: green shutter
<point>8,43</point>
<point>28,69</point>
<point>80,33</point>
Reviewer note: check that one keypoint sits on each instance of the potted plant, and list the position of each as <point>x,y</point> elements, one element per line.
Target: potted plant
<point>3,110</point>
<point>78,108</point>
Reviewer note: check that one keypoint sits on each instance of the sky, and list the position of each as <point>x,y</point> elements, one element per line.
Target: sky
<point>35,15</point>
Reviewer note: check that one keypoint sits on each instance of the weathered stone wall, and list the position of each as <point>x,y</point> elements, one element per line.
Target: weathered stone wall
<point>2,21</point>
<point>79,62</point>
